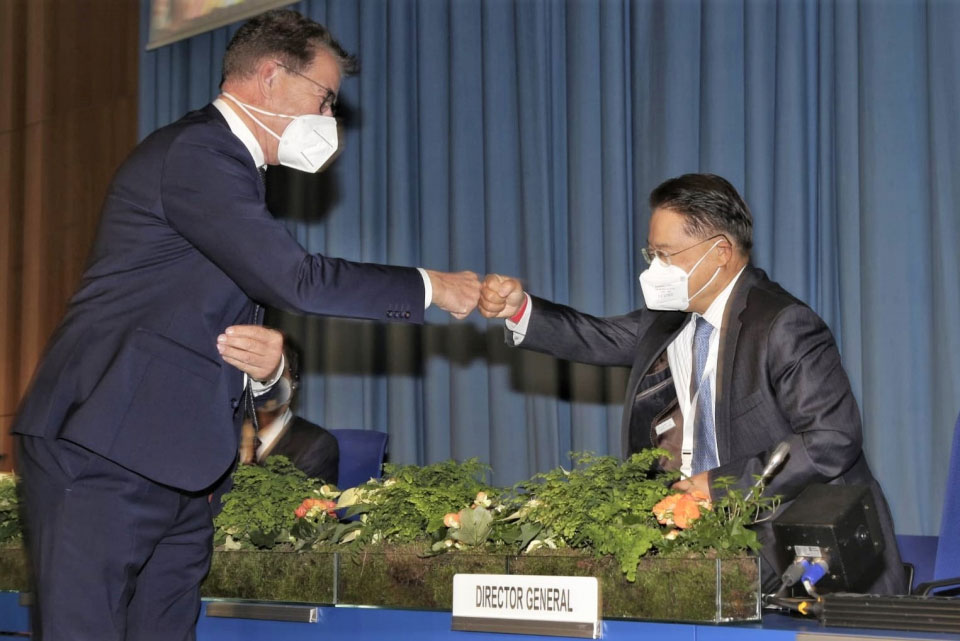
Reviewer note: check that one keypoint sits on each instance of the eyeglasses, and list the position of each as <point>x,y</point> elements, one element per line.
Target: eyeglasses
<point>328,104</point>
<point>649,254</point>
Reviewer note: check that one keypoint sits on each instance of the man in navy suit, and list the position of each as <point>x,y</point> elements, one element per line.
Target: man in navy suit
<point>134,413</point>
<point>725,364</point>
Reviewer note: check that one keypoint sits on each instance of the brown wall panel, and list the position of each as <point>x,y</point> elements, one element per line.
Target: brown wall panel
<point>12,73</point>
<point>68,117</point>
<point>11,147</point>
<point>7,455</point>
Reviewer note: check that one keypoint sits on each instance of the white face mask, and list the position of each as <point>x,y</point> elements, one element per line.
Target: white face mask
<point>306,144</point>
<point>665,287</point>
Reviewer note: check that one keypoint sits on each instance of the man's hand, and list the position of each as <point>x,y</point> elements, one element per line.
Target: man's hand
<point>252,349</point>
<point>697,483</point>
<point>456,293</point>
<point>501,296</point>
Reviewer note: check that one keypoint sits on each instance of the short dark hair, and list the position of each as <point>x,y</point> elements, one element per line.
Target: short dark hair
<point>286,35</point>
<point>710,205</point>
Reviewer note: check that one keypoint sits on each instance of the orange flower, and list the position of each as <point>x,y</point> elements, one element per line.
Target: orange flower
<point>681,509</point>
<point>664,509</point>
<point>327,505</point>
<point>452,520</point>
<point>686,511</point>
<point>330,506</point>
<point>703,500</point>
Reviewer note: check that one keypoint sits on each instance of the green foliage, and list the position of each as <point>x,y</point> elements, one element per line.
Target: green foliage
<point>600,492</point>
<point>411,503</point>
<point>476,524</point>
<point>723,531</point>
<point>602,504</point>
<point>259,511</point>
<point>9,516</point>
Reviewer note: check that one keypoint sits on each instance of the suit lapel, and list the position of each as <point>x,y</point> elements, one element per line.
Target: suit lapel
<point>662,331</point>
<point>214,115</point>
<point>732,324</point>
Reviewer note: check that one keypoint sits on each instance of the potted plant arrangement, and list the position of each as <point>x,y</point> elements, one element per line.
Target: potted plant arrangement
<point>397,542</point>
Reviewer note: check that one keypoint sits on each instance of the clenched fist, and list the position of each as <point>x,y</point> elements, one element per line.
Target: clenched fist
<point>456,293</point>
<point>501,296</point>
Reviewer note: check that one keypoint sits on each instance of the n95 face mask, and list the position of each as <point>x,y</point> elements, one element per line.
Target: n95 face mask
<point>306,144</point>
<point>666,287</point>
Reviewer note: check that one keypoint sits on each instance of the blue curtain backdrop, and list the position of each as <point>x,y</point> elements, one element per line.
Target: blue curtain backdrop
<point>523,136</point>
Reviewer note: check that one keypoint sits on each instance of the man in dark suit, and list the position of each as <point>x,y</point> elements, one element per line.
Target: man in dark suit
<point>725,364</point>
<point>134,413</point>
<point>312,449</point>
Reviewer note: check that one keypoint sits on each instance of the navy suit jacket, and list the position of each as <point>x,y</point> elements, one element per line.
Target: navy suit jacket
<point>779,378</point>
<point>185,248</point>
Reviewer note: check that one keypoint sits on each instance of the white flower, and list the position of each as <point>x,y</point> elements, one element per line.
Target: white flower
<point>329,491</point>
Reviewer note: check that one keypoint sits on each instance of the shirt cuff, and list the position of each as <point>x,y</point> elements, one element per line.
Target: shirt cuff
<point>261,387</point>
<point>519,328</point>
<point>427,287</point>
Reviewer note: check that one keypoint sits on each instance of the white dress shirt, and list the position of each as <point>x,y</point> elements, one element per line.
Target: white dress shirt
<point>680,358</point>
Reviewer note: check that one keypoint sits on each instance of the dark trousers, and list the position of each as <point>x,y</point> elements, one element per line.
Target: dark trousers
<point>114,555</point>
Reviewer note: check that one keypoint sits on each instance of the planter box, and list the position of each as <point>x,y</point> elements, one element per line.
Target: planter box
<point>694,590</point>
<point>307,577</point>
<point>401,578</point>
<point>14,572</point>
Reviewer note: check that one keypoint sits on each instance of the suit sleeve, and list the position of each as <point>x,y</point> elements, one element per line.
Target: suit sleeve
<point>565,333</point>
<point>813,394</point>
<point>212,198</point>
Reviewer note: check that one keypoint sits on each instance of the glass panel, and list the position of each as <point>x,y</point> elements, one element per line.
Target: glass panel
<point>14,574</point>
<point>402,579</point>
<point>665,589</point>
<point>740,589</point>
<point>306,577</point>
<point>695,590</point>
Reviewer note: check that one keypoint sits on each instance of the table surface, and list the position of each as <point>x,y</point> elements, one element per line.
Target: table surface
<point>363,624</point>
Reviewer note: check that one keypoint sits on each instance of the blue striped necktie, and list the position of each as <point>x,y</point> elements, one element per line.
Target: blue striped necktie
<point>704,433</point>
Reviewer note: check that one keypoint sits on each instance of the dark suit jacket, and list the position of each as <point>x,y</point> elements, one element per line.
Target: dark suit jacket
<point>779,378</point>
<point>185,248</point>
<point>312,449</point>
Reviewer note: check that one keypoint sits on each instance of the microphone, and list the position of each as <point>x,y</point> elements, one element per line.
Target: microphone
<point>780,453</point>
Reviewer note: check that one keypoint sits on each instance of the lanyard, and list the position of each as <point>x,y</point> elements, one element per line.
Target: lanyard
<point>690,417</point>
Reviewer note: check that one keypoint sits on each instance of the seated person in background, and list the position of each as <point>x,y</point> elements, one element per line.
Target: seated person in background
<point>725,363</point>
<point>312,449</point>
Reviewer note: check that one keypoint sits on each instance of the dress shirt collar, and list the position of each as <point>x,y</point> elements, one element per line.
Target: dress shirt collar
<point>241,131</point>
<point>714,313</point>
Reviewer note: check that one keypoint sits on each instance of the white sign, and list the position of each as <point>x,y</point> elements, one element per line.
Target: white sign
<point>810,551</point>
<point>551,605</point>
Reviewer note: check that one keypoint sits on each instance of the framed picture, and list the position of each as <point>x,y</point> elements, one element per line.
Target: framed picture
<point>172,20</point>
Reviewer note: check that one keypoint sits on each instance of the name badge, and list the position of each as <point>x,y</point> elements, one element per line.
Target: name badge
<point>668,424</point>
<point>565,606</point>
